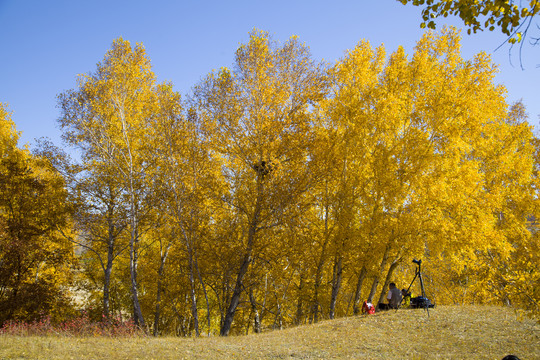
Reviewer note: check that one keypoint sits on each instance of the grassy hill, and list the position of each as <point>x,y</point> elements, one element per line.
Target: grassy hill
<point>450,332</point>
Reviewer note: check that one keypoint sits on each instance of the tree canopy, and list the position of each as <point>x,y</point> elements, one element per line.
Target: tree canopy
<point>280,191</point>
<point>513,19</point>
<point>35,259</point>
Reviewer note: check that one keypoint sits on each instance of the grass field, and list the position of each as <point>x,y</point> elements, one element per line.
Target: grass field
<point>450,332</point>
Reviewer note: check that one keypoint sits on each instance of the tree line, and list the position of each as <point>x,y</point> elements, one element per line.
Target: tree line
<point>280,191</point>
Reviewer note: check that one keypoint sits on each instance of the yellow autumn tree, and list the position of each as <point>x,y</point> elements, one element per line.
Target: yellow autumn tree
<point>35,258</point>
<point>188,186</point>
<point>284,192</point>
<point>425,130</point>
<point>108,118</point>
<point>258,121</point>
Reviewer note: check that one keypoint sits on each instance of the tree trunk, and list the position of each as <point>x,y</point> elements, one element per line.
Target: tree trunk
<point>111,242</point>
<point>314,316</point>
<point>279,318</point>
<point>361,276</point>
<point>157,314</point>
<point>226,284</point>
<point>393,267</point>
<point>336,285</point>
<point>134,220</point>
<point>108,271</point>
<point>133,262</point>
<point>235,298</point>
<point>300,303</point>
<point>376,279</point>
<point>255,311</point>
<point>193,294</point>
<point>238,287</point>
<point>205,294</point>
<point>161,269</point>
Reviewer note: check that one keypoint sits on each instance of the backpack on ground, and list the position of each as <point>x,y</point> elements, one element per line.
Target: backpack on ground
<point>368,308</point>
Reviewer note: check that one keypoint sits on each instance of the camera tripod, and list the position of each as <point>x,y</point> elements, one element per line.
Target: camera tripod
<point>418,274</point>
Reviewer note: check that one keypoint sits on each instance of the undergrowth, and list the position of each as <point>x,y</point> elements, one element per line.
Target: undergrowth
<point>80,326</point>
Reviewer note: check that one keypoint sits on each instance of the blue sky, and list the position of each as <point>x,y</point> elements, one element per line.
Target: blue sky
<point>45,44</point>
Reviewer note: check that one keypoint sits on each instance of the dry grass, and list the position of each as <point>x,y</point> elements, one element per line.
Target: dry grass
<point>451,332</point>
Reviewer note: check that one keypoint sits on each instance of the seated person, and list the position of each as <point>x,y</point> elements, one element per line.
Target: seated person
<point>406,298</point>
<point>393,297</point>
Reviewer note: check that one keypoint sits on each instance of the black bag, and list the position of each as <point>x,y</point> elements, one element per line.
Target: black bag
<point>421,302</point>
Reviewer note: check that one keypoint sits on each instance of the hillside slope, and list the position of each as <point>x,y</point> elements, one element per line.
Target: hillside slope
<point>450,332</point>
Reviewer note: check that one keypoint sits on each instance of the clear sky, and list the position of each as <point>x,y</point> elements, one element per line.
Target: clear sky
<point>46,44</point>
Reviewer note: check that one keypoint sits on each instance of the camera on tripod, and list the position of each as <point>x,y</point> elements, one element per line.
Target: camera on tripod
<point>420,301</point>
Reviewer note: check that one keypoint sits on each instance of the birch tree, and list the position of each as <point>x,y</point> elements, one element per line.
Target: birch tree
<point>108,119</point>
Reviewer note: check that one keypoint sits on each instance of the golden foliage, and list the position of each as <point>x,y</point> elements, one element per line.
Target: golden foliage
<point>284,191</point>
